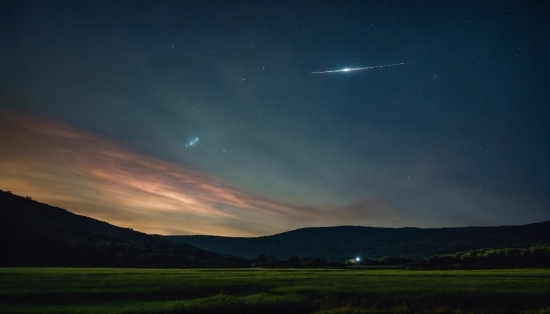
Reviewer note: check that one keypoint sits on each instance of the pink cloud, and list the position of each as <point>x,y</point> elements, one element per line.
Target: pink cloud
<point>90,175</point>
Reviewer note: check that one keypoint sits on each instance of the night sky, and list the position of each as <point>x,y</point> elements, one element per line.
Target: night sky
<point>203,117</point>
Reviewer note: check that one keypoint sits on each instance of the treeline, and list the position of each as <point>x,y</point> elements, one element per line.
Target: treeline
<point>292,262</point>
<point>52,252</point>
<point>97,252</point>
<point>104,251</point>
<point>386,261</point>
<point>538,256</point>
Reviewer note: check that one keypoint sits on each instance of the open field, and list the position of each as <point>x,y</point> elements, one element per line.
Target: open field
<point>94,290</point>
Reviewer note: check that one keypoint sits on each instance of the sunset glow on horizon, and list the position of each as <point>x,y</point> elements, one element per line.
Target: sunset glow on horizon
<point>86,174</point>
<point>205,117</point>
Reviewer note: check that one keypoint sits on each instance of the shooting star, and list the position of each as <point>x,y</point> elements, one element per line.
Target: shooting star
<point>357,69</point>
<point>192,142</point>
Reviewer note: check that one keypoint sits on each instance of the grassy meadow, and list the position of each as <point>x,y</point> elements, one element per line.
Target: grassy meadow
<point>124,290</point>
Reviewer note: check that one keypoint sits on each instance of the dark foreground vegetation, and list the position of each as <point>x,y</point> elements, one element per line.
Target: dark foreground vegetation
<point>508,257</point>
<point>538,256</point>
<point>78,290</point>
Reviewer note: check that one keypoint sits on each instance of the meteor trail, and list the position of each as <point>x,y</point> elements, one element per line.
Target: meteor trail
<point>357,69</point>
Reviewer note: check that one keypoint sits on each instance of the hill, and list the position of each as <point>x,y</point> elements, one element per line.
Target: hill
<point>344,242</point>
<point>37,234</point>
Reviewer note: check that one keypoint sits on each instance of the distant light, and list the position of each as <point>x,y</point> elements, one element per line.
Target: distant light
<point>357,259</point>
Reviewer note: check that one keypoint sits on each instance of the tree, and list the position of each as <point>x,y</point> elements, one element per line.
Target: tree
<point>294,261</point>
<point>261,261</point>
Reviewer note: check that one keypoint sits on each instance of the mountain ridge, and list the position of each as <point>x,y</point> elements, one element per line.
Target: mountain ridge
<point>37,234</point>
<point>343,242</point>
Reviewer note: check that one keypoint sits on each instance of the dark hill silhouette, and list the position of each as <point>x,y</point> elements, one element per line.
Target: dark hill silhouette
<point>37,234</point>
<point>344,242</point>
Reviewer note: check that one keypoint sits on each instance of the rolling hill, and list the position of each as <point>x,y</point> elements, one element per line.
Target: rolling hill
<point>344,242</point>
<point>37,234</point>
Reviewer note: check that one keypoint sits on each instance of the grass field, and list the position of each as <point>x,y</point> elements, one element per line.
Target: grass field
<point>93,290</point>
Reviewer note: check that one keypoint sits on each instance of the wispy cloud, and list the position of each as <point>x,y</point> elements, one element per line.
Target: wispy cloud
<point>85,173</point>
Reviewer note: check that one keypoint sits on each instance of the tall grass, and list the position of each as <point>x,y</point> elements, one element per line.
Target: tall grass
<point>82,290</point>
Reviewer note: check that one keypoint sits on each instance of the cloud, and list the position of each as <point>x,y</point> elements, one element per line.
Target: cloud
<point>94,176</point>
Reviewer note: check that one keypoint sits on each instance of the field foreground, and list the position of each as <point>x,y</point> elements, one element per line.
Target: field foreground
<point>93,290</point>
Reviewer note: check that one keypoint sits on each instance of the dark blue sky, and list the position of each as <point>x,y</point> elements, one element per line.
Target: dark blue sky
<point>457,135</point>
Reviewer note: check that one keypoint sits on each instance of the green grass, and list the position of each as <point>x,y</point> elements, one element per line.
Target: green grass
<point>93,290</point>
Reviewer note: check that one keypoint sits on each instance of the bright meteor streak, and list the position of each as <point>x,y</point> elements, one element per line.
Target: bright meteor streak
<point>357,69</point>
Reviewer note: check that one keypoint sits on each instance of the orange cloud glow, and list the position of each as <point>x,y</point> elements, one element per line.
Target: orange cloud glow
<point>93,176</point>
